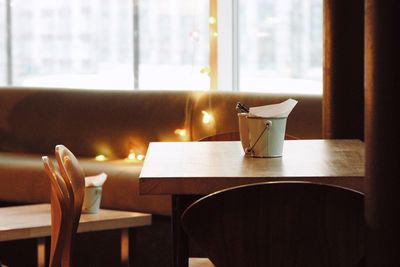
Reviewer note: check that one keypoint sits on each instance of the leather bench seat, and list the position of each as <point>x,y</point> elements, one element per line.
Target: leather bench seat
<point>23,180</point>
<point>115,123</point>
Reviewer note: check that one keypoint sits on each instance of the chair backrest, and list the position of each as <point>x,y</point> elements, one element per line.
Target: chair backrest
<point>74,178</point>
<point>235,136</point>
<point>279,224</point>
<point>68,189</point>
<point>61,214</point>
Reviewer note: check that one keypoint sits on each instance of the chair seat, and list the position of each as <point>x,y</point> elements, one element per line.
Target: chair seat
<point>200,262</point>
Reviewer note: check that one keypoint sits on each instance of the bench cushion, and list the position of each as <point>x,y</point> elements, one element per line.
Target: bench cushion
<point>24,180</point>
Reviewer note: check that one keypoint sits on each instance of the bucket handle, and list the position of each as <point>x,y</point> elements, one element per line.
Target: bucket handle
<point>250,150</point>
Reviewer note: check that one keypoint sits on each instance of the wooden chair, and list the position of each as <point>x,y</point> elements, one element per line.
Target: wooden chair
<point>67,192</point>
<point>279,224</point>
<point>74,178</point>
<point>234,136</point>
<point>60,213</point>
<point>228,136</point>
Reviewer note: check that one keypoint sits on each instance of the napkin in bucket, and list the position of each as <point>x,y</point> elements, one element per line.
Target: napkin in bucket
<point>275,110</point>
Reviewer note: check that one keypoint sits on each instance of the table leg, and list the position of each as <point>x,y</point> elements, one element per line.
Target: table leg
<point>125,247</point>
<point>180,241</point>
<point>41,252</point>
<point>180,249</point>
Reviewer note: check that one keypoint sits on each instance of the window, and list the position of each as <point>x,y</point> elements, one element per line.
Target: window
<point>70,44</point>
<point>173,44</point>
<point>262,45</point>
<point>280,46</point>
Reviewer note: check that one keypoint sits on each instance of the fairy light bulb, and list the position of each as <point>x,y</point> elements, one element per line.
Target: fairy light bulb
<point>212,20</point>
<point>207,117</point>
<point>205,70</point>
<point>131,156</point>
<point>140,157</point>
<point>181,132</point>
<point>100,158</point>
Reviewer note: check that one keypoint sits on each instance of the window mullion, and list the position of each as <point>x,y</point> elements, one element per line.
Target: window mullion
<point>228,70</point>
<point>9,69</point>
<point>213,28</point>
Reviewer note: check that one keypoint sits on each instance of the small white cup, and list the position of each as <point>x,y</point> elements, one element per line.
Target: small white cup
<point>92,199</point>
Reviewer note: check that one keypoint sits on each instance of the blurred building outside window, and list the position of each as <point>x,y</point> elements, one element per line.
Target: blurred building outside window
<point>261,46</point>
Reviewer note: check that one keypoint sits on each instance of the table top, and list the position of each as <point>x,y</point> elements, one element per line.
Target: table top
<point>206,167</point>
<point>33,221</point>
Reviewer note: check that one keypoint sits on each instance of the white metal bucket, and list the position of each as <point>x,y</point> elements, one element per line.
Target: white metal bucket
<point>262,137</point>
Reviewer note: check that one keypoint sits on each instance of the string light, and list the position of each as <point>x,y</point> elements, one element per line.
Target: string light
<point>100,158</point>
<point>131,156</point>
<point>212,20</point>
<point>134,156</point>
<point>207,117</point>
<point>181,132</point>
<point>205,70</point>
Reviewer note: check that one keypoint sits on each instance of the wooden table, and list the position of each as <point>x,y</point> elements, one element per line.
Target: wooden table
<point>34,221</point>
<point>185,169</point>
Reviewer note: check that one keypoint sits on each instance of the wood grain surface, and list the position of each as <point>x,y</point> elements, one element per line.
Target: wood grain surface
<point>206,167</point>
<point>33,221</point>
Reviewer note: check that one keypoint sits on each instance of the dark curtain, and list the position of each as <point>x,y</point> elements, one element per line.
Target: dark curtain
<point>382,134</point>
<point>349,38</point>
<point>343,93</point>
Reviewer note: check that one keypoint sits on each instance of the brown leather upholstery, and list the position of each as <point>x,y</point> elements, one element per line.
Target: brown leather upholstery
<point>113,123</point>
<point>23,179</point>
<point>89,122</point>
<point>304,122</point>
